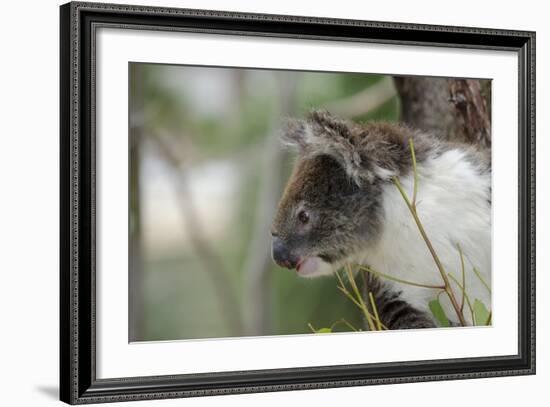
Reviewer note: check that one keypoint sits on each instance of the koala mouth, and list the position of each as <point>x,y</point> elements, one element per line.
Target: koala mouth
<point>308,265</point>
<point>313,266</point>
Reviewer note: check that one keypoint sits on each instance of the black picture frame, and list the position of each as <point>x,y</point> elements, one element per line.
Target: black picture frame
<point>78,382</point>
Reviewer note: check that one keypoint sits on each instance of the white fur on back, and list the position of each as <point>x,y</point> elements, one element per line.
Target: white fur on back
<point>452,204</point>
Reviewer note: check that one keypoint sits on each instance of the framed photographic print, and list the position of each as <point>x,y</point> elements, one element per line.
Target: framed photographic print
<point>255,203</point>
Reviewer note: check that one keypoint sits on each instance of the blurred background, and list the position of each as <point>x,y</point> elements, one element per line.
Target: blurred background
<point>206,173</point>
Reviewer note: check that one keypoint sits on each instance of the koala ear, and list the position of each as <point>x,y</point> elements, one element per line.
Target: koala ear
<point>294,134</point>
<point>323,134</point>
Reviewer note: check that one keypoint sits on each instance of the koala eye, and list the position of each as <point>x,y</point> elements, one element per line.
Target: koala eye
<point>303,217</point>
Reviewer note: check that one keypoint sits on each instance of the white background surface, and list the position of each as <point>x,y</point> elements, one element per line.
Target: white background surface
<point>117,358</point>
<point>29,163</point>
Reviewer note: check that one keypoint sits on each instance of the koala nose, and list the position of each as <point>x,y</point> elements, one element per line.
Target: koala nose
<point>282,255</point>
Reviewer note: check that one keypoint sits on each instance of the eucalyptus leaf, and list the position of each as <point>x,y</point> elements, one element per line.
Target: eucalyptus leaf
<point>481,314</point>
<point>438,313</point>
<point>323,331</point>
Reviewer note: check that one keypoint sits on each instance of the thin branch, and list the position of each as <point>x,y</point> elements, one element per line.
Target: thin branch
<point>349,325</point>
<point>415,173</point>
<point>375,310</point>
<point>212,265</point>
<point>350,297</point>
<point>359,297</point>
<point>340,281</point>
<point>463,276</point>
<point>489,318</point>
<point>365,287</point>
<point>439,294</point>
<point>357,301</point>
<point>364,101</point>
<point>343,321</point>
<point>464,295</point>
<point>478,274</point>
<point>399,280</point>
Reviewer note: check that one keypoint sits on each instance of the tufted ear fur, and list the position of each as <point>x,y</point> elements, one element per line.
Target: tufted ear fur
<point>323,134</point>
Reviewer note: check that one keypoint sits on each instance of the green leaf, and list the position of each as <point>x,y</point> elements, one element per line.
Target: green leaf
<point>323,331</point>
<point>320,330</point>
<point>438,313</point>
<point>481,314</point>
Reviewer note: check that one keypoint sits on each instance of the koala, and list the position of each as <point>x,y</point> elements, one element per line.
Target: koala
<point>340,206</point>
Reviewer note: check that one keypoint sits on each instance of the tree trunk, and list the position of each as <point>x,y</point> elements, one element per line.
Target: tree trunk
<point>452,109</point>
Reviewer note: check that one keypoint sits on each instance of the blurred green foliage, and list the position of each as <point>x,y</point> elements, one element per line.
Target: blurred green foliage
<point>177,299</point>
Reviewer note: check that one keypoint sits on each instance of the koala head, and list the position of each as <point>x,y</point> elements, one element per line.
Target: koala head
<point>331,207</point>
